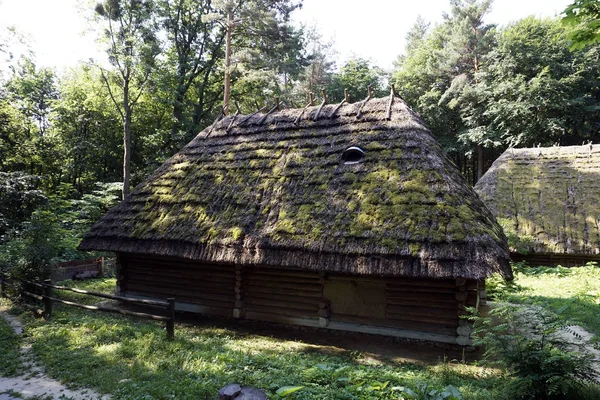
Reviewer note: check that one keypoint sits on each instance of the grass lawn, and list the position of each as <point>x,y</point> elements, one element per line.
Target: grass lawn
<point>573,293</point>
<point>131,358</point>
<point>9,347</point>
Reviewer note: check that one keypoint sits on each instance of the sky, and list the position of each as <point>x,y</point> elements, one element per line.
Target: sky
<point>372,29</point>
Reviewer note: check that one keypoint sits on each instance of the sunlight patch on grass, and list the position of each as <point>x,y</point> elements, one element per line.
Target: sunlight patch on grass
<point>573,293</point>
<point>131,359</point>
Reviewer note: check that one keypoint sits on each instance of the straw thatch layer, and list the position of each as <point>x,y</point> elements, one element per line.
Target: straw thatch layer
<point>275,191</point>
<point>547,198</point>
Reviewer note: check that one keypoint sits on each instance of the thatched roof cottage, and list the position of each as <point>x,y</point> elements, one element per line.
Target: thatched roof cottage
<point>345,216</point>
<point>547,201</point>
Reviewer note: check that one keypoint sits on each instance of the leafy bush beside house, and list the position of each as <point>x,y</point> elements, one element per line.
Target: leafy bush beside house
<point>53,230</point>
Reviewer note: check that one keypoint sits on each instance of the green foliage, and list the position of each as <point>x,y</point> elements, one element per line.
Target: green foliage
<point>532,90</point>
<point>572,292</point>
<point>584,16</point>
<point>356,76</point>
<point>53,231</point>
<point>423,392</point>
<point>19,197</point>
<point>10,363</point>
<point>285,391</point>
<point>521,244</point>
<point>30,255</point>
<point>132,360</point>
<point>525,341</point>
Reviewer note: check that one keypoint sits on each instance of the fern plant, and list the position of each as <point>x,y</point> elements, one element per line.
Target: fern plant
<point>526,341</point>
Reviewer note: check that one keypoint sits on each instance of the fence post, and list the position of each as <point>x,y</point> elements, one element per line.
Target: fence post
<point>47,300</point>
<point>171,320</point>
<point>101,269</point>
<point>3,285</point>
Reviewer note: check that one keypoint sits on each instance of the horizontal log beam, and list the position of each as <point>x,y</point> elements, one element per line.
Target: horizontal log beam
<point>111,310</point>
<point>420,289</point>
<point>281,311</point>
<point>256,290</point>
<point>286,285</point>
<point>283,273</point>
<point>253,301</point>
<point>280,278</point>
<point>155,303</point>
<point>428,312</point>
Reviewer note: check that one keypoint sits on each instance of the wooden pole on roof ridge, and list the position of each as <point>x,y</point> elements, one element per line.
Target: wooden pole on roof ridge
<point>229,25</point>
<point>346,95</point>
<point>322,105</point>
<point>311,98</point>
<point>388,115</point>
<point>229,28</point>
<point>370,91</point>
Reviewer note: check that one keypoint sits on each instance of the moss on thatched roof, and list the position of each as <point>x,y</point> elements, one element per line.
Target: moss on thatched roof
<point>274,190</point>
<point>547,197</point>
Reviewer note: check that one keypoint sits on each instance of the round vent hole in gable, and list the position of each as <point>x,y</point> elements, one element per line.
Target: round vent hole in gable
<point>353,155</point>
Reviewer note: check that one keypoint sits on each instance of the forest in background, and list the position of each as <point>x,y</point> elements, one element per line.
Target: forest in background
<point>479,87</point>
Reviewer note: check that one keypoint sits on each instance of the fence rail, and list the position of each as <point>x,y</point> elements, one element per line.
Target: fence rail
<point>48,299</point>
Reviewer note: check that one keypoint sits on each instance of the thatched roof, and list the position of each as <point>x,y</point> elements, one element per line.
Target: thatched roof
<point>547,197</point>
<point>273,190</point>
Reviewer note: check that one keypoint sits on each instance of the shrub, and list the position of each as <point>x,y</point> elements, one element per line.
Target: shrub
<point>526,341</point>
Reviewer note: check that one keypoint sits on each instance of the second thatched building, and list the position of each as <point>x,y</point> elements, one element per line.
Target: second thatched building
<point>347,217</point>
<point>547,201</point>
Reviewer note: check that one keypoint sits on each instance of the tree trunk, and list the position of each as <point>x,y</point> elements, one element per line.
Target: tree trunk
<point>479,161</point>
<point>178,116</point>
<point>228,61</point>
<point>126,140</point>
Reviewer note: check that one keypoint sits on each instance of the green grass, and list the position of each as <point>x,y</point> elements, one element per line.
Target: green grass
<point>132,359</point>
<point>10,364</point>
<point>573,293</point>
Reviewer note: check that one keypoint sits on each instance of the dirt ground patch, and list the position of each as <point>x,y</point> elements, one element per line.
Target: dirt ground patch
<point>34,383</point>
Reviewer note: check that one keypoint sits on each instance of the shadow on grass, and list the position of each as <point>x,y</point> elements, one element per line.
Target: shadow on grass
<point>132,360</point>
<point>577,310</point>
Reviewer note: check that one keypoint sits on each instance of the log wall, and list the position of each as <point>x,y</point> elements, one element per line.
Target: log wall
<point>552,260</point>
<point>210,286</point>
<point>277,294</point>
<point>396,306</point>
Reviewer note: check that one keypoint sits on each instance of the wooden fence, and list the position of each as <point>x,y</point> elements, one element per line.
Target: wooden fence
<point>90,268</point>
<point>47,298</point>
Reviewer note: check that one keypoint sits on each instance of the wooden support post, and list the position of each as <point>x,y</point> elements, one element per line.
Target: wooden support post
<point>346,97</point>
<point>482,293</point>
<point>3,286</point>
<point>311,99</point>
<point>119,273</point>
<point>324,304</point>
<point>47,299</point>
<point>171,320</point>
<point>239,310</point>
<point>464,327</point>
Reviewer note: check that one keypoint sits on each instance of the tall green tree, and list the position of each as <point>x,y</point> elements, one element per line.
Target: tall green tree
<point>34,91</point>
<point>26,138</point>
<point>194,44</point>
<point>320,55</point>
<point>533,90</point>
<point>87,127</point>
<point>132,46</point>
<point>437,67</point>
<point>356,76</point>
<point>584,17</point>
